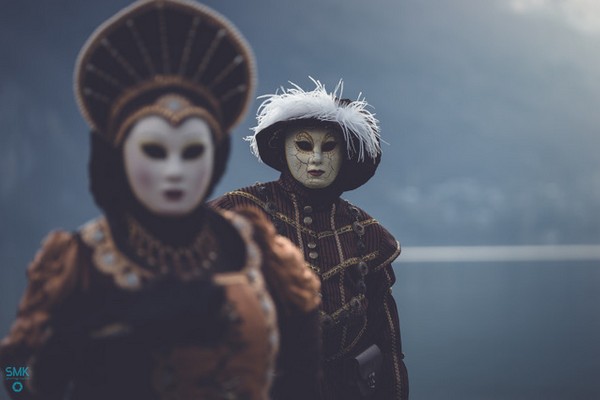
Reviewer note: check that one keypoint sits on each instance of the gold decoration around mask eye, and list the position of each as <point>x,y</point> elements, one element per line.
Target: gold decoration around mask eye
<point>303,137</point>
<point>330,137</point>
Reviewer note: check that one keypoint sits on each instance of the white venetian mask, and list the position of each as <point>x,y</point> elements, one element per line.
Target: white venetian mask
<point>169,168</point>
<point>314,156</point>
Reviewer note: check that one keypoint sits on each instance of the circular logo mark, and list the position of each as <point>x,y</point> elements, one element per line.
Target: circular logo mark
<point>17,387</point>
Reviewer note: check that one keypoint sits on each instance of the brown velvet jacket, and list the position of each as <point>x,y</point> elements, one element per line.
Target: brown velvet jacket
<point>352,254</point>
<point>75,277</point>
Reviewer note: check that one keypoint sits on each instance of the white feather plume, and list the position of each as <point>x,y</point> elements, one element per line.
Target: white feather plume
<point>295,103</point>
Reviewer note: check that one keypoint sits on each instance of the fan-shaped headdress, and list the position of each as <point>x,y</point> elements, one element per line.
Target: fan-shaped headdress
<point>174,58</point>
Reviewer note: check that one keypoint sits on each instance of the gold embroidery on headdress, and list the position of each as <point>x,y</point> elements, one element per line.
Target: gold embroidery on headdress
<point>173,108</point>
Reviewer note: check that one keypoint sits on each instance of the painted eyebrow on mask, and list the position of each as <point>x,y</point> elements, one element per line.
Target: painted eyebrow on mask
<point>303,141</point>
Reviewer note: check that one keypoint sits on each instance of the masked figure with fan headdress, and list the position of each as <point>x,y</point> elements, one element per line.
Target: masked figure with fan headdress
<point>324,145</point>
<point>163,297</point>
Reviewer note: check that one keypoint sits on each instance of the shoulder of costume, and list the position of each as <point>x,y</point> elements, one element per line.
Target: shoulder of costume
<point>254,194</point>
<point>240,222</point>
<point>389,248</point>
<point>52,277</point>
<point>53,248</point>
<point>299,285</point>
<point>289,277</point>
<point>53,273</point>
<point>362,214</point>
<point>359,211</point>
<point>254,189</point>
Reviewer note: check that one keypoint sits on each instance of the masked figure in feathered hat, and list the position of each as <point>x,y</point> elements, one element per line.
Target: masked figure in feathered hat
<point>324,146</point>
<point>162,297</point>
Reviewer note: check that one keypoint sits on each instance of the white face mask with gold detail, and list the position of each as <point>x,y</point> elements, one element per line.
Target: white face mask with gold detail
<point>169,168</point>
<point>314,156</point>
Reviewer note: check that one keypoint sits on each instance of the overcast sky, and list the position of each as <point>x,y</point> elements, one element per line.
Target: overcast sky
<point>489,108</point>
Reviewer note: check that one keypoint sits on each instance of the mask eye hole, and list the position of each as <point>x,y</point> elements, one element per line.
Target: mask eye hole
<point>304,145</point>
<point>154,151</point>
<point>329,146</point>
<point>193,151</point>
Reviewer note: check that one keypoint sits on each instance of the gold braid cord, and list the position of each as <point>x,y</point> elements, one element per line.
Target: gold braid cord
<point>187,262</point>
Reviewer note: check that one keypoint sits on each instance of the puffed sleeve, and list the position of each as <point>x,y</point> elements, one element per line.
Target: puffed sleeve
<point>52,278</point>
<point>295,289</point>
<point>384,325</point>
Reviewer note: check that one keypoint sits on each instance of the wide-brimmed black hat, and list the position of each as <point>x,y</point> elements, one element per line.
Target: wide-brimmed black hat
<point>294,107</point>
<point>154,48</point>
